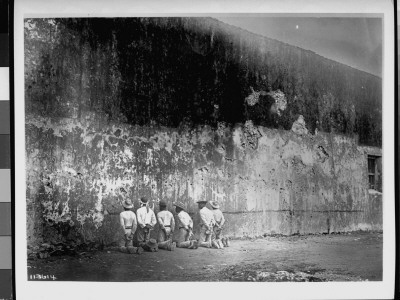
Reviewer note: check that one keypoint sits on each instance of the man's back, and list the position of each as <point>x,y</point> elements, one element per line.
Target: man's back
<point>166,217</point>
<point>206,217</point>
<point>218,216</point>
<point>128,218</point>
<point>184,219</point>
<point>145,216</point>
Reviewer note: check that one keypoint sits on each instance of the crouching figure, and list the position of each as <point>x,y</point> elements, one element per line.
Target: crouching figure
<point>207,223</point>
<point>218,226</point>
<point>185,225</point>
<point>129,224</point>
<point>166,225</point>
<point>146,221</point>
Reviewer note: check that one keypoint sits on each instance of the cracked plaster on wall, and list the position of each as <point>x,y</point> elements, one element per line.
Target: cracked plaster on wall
<point>88,165</point>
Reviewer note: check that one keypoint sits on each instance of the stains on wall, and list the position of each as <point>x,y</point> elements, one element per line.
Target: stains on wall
<point>299,126</point>
<point>166,71</point>
<point>254,97</point>
<point>280,101</point>
<point>266,180</point>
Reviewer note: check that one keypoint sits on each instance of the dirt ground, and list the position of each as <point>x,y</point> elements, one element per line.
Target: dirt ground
<point>334,257</point>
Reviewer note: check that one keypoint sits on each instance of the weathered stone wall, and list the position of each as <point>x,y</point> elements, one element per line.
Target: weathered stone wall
<point>200,71</point>
<point>267,180</point>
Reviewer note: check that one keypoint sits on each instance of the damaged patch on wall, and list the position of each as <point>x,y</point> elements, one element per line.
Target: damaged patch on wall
<point>250,136</point>
<point>280,101</point>
<point>254,97</point>
<point>299,126</point>
<point>322,154</point>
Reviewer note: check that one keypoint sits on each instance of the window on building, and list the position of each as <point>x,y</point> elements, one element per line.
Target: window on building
<point>375,172</point>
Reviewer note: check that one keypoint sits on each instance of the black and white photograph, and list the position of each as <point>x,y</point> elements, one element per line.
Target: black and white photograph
<point>220,147</point>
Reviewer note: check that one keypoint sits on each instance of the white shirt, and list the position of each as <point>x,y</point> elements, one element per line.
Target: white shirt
<point>144,217</point>
<point>218,216</point>
<point>166,218</point>
<point>184,219</point>
<point>206,217</point>
<point>127,218</point>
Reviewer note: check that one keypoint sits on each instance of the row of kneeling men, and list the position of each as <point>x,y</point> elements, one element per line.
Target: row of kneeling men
<point>211,225</point>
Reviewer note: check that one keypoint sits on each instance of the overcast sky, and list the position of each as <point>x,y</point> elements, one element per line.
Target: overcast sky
<point>356,42</point>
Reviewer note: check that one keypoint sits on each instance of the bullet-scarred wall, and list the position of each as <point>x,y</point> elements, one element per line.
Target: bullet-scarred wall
<point>267,181</point>
<point>187,109</point>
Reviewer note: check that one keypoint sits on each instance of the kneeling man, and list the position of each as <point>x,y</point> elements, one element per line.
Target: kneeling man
<point>128,222</point>
<point>146,220</point>
<point>166,225</point>
<point>207,223</point>
<point>185,225</point>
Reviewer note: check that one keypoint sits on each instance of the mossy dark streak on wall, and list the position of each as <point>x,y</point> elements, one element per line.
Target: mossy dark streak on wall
<point>197,70</point>
<point>157,106</point>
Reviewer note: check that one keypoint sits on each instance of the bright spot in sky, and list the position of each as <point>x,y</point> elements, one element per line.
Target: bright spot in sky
<point>297,26</point>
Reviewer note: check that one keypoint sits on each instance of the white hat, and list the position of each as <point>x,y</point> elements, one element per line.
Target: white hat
<point>214,204</point>
<point>180,205</point>
<point>127,203</point>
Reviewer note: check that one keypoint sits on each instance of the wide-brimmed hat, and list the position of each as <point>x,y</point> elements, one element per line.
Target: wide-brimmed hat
<point>214,204</point>
<point>143,200</point>
<point>152,243</point>
<point>162,203</point>
<point>180,205</point>
<point>127,203</point>
<point>201,201</point>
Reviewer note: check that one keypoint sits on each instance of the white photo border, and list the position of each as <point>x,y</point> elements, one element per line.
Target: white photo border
<point>198,290</point>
